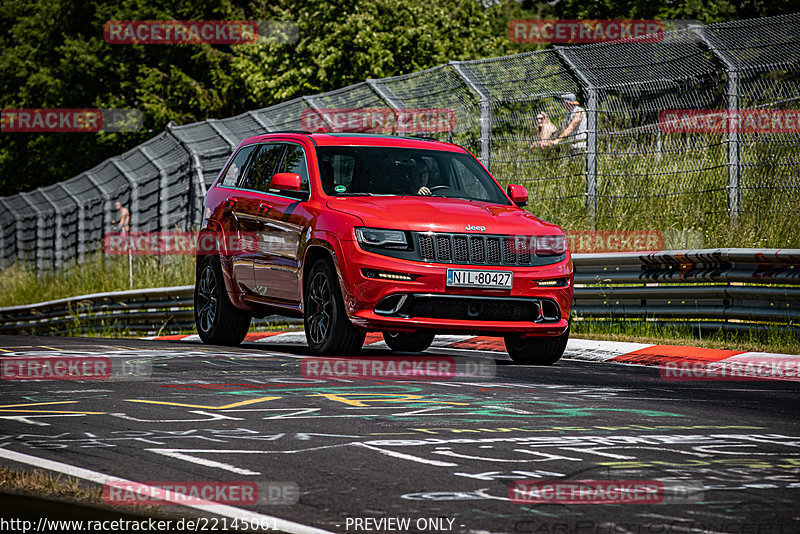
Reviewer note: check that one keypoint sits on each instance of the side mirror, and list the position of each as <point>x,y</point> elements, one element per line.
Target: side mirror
<point>286,181</point>
<point>518,194</point>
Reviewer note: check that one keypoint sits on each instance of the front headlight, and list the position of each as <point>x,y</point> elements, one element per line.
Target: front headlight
<point>379,237</point>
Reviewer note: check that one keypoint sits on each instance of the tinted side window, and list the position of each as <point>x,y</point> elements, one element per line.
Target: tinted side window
<point>295,161</point>
<point>236,168</point>
<point>336,170</point>
<point>262,167</point>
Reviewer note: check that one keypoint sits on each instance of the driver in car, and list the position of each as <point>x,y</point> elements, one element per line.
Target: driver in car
<point>421,179</point>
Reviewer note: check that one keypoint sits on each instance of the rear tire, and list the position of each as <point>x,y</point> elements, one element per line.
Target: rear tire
<point>328,329</point>
<point>537,351</point>
<point>218,321</point>
<point>406,342</point>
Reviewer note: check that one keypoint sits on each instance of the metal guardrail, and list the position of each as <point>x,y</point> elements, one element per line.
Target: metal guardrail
<point>731,289</point>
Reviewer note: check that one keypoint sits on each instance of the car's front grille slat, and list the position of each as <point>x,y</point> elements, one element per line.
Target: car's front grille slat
<point>472,249</point>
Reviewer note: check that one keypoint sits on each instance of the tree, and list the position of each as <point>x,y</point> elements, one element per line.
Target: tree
<point>53,55</point>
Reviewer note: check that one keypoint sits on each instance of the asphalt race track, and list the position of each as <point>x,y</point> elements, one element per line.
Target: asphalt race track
<point>412,455</point>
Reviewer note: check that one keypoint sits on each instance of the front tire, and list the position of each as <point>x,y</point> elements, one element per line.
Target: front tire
<point>405,342</point>
<point>328,329</point>
<point>218,321</point>
<point>537,351</point>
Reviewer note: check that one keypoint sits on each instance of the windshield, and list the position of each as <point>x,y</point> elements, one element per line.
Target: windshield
<point>362,170</point>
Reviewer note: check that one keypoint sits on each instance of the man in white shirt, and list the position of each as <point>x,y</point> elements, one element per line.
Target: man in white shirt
<point>575,124</point>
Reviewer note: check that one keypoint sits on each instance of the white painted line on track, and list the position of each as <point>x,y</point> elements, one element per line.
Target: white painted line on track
<point>205,506</point>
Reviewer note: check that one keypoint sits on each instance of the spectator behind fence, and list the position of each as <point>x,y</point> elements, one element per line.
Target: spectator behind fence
<point>575,125</point>
<point>546,130</point>
<point>123,224</point>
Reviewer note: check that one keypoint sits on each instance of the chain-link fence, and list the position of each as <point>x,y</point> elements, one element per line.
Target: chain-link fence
<point>622,165</point>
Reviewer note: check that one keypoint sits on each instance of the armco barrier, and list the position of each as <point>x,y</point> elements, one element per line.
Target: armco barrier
<point>732,289</point>
<point>747,288</point>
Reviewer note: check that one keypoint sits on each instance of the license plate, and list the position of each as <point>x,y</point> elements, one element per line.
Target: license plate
<point>479,279</point>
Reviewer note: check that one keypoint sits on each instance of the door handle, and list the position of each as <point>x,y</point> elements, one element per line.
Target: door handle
<point>263,208</point>
<point>230,203</point>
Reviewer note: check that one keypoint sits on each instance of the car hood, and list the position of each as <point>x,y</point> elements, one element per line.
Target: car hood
<point>437,214</point>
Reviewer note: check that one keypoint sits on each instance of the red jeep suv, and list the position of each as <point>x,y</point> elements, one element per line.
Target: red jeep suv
<point>354,232</point>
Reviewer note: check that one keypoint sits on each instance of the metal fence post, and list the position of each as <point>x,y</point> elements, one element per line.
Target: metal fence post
<point>198,183</point>
<point>732,134</point>
<point>106,201</point>
<point>592,123</point>
<point>384,93</point>
<point>4,202</point>
<point>263,122</point>
<point>81,222</point>
<point>122,167</point>
<point>220,130</point>
<point>39,251</point>
<point>310,102</point>
<point>58,239</point>
<point>163,187</point>
<point>485,121</point>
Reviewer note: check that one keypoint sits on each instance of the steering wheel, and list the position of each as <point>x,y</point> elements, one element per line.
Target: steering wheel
<point>434,188</point>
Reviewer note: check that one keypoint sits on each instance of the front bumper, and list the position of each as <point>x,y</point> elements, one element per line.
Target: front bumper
<point>429,305</point>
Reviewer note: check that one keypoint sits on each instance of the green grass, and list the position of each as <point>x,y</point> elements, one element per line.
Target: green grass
<point>20,284</point>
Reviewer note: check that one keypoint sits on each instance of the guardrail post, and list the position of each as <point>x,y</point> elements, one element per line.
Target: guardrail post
<point>485,121</point>
<point>732,134</point>
<point>592,130</point>
<point>81,222</point>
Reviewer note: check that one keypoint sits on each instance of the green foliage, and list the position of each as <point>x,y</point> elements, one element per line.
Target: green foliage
<point>53,54</point>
